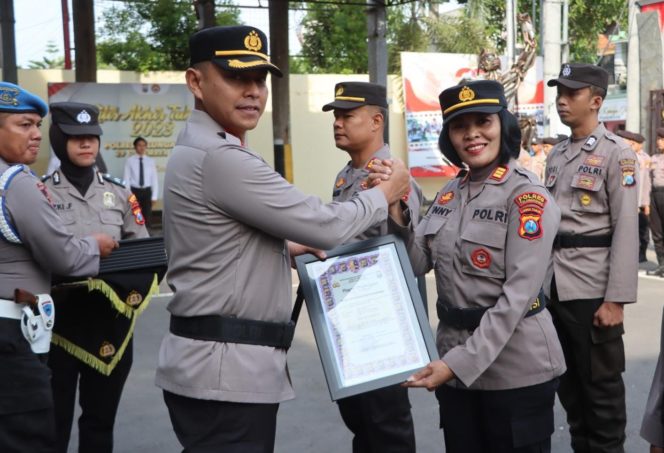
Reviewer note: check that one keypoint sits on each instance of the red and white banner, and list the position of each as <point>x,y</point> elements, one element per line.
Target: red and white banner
<point>425,75</point>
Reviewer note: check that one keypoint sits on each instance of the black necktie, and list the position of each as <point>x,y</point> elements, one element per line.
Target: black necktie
<point>141,178</point>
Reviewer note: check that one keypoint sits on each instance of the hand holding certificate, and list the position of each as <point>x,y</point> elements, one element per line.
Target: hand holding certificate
<point>368,318</point>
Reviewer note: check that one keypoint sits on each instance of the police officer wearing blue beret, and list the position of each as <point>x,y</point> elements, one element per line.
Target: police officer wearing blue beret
<point>33,244</point>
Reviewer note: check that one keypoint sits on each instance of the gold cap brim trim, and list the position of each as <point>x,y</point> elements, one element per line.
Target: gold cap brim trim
<point>475,102</point>
<point>235,53</point>
<point>239,64</point>
<point>349,98</point>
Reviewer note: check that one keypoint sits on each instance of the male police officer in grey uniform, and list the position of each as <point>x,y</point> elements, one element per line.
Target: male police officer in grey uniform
<point>227,216</point>
<point>33,244</point>
<point>594,179</point>
<point>380,420</point>
<point>636,142</point>
<point>657,202</point>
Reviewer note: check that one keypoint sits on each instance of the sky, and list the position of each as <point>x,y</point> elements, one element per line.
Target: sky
<point>34,31</point>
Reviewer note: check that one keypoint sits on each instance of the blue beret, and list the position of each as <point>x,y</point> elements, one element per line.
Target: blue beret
<point>14,99</point>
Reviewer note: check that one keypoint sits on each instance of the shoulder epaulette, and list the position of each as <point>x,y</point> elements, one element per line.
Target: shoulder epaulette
<point>113,179</point>
<point>532,177</point>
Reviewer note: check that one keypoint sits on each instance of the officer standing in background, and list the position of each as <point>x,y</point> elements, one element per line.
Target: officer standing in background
<point>228,217</point>
<point>594,179</point>
<point>657,202</point>
<point>140,173</point>
<point>34,243</point>
<point>380,420</point>
<point>93,334</point>
<point>636,142</point>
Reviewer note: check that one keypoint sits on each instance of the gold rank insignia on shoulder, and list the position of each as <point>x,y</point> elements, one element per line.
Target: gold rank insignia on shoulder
<point>253,41</point>
<point>499,173</point>
<point>340,91</point>
<point>466,94</point>
<point>340,182</point>
<point>106,349</point>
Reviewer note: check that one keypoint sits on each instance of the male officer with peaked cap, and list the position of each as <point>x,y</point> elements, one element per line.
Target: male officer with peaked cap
<point>228,222</point>
<point>380,420</point>
<point>593,176</point>
<point>636,140</point>
<point>33,244</point>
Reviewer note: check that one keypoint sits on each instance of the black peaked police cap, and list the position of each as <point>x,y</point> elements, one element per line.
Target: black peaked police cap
<point>235,49</point>
<point>76,118</point>
<point>351,95</point>
<point>581,75</point>
<point>485,96</point>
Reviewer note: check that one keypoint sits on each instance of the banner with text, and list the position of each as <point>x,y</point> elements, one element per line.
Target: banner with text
<point>156,112</point>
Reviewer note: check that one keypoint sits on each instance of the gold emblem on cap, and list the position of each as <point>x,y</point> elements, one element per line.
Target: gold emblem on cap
<point>340,91</point>
<point>253,42</point>
<point>466,94</point>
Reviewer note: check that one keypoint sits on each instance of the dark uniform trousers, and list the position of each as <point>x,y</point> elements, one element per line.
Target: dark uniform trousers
<point>206,426</point>
<point>657,221</point>
<point>380,420</point>
<point>497,421</point>
<point>592,390</point>
<point>99,399</point>
<point>144,197</point>
<point>644,236</point>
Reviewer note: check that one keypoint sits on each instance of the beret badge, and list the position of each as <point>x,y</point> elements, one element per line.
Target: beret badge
<point>8,95</point>
<point>466,94</point>
<point>253,42</point>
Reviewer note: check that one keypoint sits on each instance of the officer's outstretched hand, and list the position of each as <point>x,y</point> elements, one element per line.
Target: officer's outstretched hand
<point>106,244</point>
<point>392,177</point>
<point>608,314</point>
<point>433,375</point>
<point>295,249</point>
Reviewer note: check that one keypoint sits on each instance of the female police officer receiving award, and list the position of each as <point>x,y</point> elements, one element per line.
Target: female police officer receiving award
<point>488,237</point>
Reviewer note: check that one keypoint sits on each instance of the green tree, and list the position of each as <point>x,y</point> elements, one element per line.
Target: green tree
<point>586,23</point>
<point>53,59</point>
<point>149,35</point>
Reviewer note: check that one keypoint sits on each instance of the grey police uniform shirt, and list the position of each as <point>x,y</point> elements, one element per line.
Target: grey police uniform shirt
<point>351,181</point>
<point>226,217</point>
<point>644,178</point>
<point>47,245</point>
<point>652,425</point>
<point>657,170</point>
<point>106,207</point>
<point>595,183</point>
<point>492,250</point>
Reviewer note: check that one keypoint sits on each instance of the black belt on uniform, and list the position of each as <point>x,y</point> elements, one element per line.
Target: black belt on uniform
<point>657,189</point>
<point>227,329</point>
<point>469,318</point>
<point>567,241</point>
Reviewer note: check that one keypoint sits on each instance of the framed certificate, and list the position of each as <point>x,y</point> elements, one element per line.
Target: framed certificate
<point>367,315</point>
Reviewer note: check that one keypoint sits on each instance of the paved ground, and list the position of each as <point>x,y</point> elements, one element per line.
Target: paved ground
<point>311,423</point>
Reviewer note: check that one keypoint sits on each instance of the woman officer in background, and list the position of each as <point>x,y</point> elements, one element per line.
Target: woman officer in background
<point>95,319</point>
<point>488,237</point>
